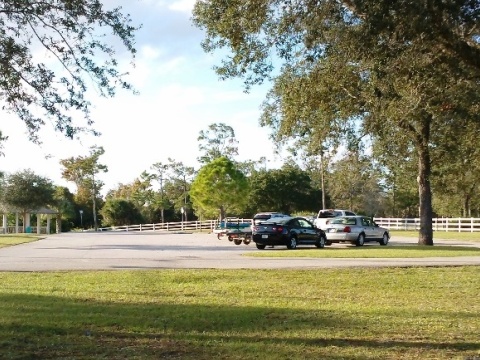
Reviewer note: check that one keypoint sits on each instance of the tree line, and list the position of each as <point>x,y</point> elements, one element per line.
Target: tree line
<point>222,186</point>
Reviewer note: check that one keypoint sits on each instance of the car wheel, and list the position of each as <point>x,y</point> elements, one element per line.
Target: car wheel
<point>260,246</point>
<point>230,238</point>
<point>292,243</point>
<point>247,241</point>
<point>328,243</point>
<point>384,240</point>
<point>321,242</point>
<point>361,240</point>
<point>237,241</point>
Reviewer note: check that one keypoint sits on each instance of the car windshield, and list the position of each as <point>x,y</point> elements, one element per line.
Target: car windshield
<point>326,214</point>
<point>281,221</point>
<point>264,216</point>
<point>344,221</point>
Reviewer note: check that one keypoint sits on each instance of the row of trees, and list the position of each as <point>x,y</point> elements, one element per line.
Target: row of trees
<point>222,186</point>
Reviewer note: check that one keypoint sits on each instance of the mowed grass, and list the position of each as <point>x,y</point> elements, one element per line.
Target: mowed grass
<point>369,251</point>
<point>440,235</point>
<point>374,250</point>
<point>16,239</point>
<point>384,313</point>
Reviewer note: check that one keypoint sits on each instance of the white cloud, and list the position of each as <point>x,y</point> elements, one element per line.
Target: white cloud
<point>182,5</point>
<point>149,53</point>
<point>179,5</point>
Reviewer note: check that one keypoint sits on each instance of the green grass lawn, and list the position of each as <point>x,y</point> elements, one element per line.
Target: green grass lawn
<point>15,239</point>
<point>384,313</point>
<point>441,235</point>
<point>377,251</point>
<point>369,251</point>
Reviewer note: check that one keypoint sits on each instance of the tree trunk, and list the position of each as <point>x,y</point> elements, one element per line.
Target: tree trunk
<point>466,206</point>
<point>94,209</point>
<point>394,212</point>
<point>322,174</point>
<point>95,224</point>
<point>425,191</point>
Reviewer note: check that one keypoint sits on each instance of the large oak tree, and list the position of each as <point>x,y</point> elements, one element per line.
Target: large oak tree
<point>402,70</point>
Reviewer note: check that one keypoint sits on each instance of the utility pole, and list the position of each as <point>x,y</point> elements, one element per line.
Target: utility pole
<point>162,210</point>
<point>94,203</point>
<point>161,169</point>
<point>185,195</point>
<point>81,218</point>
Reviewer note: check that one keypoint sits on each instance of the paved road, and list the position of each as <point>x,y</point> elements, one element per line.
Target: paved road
<point>148,250</point>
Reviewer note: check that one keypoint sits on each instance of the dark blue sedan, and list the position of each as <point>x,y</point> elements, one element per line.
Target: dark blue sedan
<point>290,232</point>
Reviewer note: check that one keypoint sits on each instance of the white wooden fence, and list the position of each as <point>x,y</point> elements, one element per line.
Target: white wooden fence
<point>19,230</point>
<point>206,225</point>
<point>439,224</point>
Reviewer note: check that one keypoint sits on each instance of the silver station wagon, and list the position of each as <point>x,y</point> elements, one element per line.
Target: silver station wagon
<point>356,230</point>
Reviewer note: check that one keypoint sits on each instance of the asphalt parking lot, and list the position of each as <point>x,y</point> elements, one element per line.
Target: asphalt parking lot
<point>155,250</point>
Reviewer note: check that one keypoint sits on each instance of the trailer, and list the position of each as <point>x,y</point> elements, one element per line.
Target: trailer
<point>236,230</point>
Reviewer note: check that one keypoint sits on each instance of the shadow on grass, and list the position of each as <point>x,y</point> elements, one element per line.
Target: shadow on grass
<point>41,327</point>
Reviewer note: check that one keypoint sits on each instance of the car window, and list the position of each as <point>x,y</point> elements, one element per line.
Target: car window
<point>262,217</point>
<point>326,214</point>
<point>294,223</point>
<point>351,221</point>
<point>344,221</point>
<point>349,213</point>
<point>304,223</point>
<point>276,220</point>
<point>257,221</point>
<point>366,222</point>
<point>265,216</point>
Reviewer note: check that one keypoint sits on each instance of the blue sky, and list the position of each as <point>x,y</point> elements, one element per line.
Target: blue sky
<point>179,95</point>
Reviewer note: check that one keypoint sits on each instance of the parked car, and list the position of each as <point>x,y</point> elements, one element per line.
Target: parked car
<point>324,216</point>
<point>356,230</point>
<point>287,231</point>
